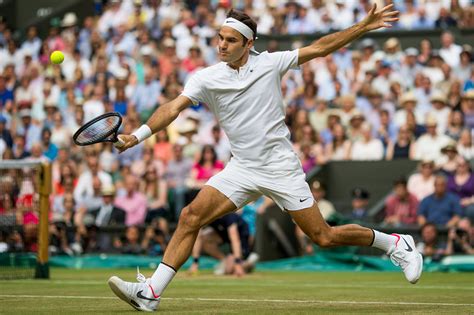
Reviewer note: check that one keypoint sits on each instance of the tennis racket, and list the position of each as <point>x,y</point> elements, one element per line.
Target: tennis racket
<point>103,128</point>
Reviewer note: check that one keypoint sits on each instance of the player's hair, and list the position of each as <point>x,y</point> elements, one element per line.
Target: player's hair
<point>244,18</point>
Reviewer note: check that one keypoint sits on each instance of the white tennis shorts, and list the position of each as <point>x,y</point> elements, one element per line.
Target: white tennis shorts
<point>289,190</point>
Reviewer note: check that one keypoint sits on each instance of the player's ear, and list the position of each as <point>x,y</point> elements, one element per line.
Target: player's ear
<point>250,43</point>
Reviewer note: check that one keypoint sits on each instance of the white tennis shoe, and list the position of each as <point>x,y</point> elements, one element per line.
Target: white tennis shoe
<point>139,295</point>
<point>405,255</point>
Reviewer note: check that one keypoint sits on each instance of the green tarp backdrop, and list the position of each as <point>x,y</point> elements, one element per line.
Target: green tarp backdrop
<point>325,261</point>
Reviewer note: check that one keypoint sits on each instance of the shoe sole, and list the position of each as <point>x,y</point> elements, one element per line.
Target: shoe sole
<point>113,283</point>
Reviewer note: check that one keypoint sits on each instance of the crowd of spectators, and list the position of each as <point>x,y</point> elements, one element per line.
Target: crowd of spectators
<point>363,102</point>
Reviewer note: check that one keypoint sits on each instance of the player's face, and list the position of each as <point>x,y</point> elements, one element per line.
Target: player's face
<point>231,45</point>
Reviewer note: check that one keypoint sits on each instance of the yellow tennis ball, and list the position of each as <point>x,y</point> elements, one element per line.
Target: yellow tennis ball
<point>57,57</point>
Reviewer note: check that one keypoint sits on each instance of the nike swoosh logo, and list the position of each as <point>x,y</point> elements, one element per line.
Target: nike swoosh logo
<point>139,294</point>
<point>302,200</point>
<point>408,249</point>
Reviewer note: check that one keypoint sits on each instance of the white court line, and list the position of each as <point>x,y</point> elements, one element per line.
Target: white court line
<point>192,282</point>
<point>242,300</point>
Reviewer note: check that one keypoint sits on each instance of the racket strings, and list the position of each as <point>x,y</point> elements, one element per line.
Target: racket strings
<point>98,131</point>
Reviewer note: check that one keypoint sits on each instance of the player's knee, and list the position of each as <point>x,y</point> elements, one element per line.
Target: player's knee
<point>322,238</point>
<point>190,218</point>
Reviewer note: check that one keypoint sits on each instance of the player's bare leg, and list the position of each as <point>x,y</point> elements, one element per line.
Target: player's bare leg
<point>402,253</point>
<point>208,205</point>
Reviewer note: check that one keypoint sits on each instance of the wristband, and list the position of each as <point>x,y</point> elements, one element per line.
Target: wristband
<point>142,133</point>
<point>238,261</point>
<point>196,260</point>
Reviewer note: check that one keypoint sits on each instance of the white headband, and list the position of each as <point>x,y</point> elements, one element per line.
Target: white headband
<point>239,27</point>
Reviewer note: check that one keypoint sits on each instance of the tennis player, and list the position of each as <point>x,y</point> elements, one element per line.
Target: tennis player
<point>243,91</point>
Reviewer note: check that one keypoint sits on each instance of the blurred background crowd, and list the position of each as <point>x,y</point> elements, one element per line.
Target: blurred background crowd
<point>363,102</point>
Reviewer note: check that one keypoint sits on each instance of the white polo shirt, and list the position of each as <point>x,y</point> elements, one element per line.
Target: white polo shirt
<point>249,106</point>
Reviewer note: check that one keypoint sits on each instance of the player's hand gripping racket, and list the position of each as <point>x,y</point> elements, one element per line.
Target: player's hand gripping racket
<point>103,128</point>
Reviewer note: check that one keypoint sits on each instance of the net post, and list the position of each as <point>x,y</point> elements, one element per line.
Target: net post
<point>45,189</point>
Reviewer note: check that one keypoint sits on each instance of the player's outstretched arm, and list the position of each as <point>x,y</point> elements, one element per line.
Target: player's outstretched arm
<point>332,42</point>
<point>161,118</point>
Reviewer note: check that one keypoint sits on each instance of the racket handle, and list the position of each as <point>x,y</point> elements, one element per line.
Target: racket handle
<point>119,143</point>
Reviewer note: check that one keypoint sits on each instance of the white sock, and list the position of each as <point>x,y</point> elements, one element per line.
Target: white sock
<point>161,278</point>
<point>384,241</point>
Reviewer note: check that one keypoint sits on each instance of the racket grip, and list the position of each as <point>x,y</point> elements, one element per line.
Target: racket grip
<point>119,143</point>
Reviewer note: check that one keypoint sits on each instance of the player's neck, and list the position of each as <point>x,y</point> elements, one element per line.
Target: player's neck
<point>239,62</point>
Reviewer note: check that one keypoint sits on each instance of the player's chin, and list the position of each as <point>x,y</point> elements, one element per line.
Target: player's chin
<point>224,57</point>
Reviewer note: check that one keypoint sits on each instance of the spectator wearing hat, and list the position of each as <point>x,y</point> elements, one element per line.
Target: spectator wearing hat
<point>108,214</point>
<point>354,131</point>
<point>449,160</point>
<point>393,52</point>
<point>401,206</point>
<point>188,130</point>
<point>347,108</point>
<point>360,201</point>
<point>429,145</point>
<point>467,108</point>
<point>376,106</point>
<point>407,103</point>
<point>421,184</point>
<point>439,111</point>
<point>409,67</point>
<point>138,17</point>
<point>461,183</point>
<point>384,76</point>
<point>367,148</point>
<point>442,207</point>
